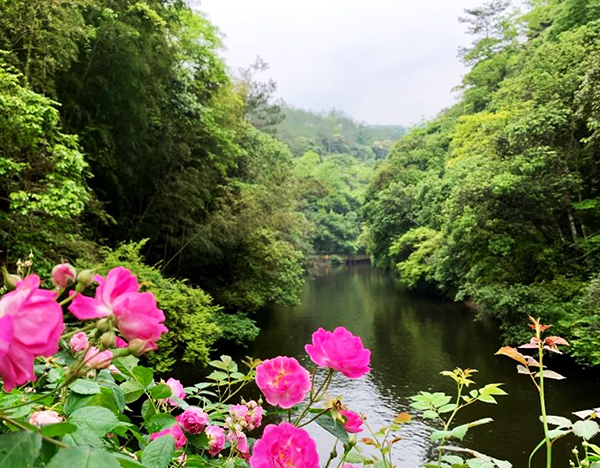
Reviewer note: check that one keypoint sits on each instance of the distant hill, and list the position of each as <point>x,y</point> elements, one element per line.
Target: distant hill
<point>334,132</point>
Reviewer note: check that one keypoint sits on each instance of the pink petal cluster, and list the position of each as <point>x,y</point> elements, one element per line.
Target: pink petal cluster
<point>285,446</point>
<point>43,418</point>
<point>120,342</point>
<point>174,431</point>
<point>240,442</point>
<point>216,439</point>
<point>254,415</point>
<point>339,350</point>
<point>353,421</point>
<point>31,323</point>
<point>238,411</point>
<point>136,313</point>
<point>96,359</point>
<point>177,391</point>
<point>283,381</point>
<point>193,420</point>
<point>79,342</point>
<point>64,275</point>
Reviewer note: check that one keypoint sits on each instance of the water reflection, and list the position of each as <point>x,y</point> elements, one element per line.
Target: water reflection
<point>412,339</point>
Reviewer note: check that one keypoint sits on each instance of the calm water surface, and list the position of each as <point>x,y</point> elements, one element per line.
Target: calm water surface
<point>412,339</point>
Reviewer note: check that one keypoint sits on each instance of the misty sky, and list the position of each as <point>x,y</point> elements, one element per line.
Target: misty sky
<point>380,61</point>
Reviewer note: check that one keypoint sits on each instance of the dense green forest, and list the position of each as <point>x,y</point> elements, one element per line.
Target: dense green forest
<point>497,199</point>
<point>335,159</point>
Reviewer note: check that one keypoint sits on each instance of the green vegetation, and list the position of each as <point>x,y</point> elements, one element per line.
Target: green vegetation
<point>335,160</point>
<point>496,200</point>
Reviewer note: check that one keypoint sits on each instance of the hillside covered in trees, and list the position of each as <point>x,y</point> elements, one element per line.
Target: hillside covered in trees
<point>497,199</point>
<point>335,159</point>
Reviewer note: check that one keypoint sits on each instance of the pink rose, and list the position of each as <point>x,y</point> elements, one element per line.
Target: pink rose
<point>285,446</point>
<point>216,439</point>
<point>97,359</point>
<point>174,431</point>
<point>353,421</point>
<point>120,342</point>
<point>341,351</point>
<point>79,342</point>
<point>283,381</point>
<point>176,391</point>
<point>31,323</point>
<point>240,442</point>
<point>43,418</point>
<point>136,313</point>
<point>193,420</point>
<point>64,275</point>
<point>238,411</point>
<point>254,415</point>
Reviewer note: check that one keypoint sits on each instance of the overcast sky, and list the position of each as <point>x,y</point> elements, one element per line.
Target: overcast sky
<point>380,61</point>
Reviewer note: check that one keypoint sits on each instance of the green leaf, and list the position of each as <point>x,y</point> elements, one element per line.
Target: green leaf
<point>218,376</point>
<point>83,437</point>
<point>486,398</point>
<point>334,428</point>
<point>143,375</point>
<point>97,419</point>
<point>58,429</point>
<point>160,391</point>
<point>453,459</point>
<point>480,422</point>
<point>160,421</point>
<point>126,364</point>
<point>83,457</point>
<point>127,461</point>
<point>437,435</point>
<point>354,457</point>
<point>218,364</point>
<point>440,399</point>
<point>447,408</point>
<point>85,387</point>
<point>430,414</point>
<point>558,421</point>
<point>460,431</point>
<point>132,391</point>
<point>148,410</point>
<point>586,429</point>
<point>119,398</point>
<point>76,401</point>
<point>19,449</point>
<point>159,452</point>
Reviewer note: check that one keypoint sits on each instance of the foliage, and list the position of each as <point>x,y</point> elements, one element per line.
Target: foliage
<point>495,199</point>
<point>334,133</point>
<point>187,309</point>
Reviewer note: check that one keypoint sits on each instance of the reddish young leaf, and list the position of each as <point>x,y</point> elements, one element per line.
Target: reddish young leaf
<point>513,354</point>
<point>402,418</point>
<point>534,343</point>
<point>551,342</point>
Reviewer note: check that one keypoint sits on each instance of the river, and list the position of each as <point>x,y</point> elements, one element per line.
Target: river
<point>412,339</point>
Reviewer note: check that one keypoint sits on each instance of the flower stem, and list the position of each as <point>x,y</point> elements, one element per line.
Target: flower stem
<point>543,408</point>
